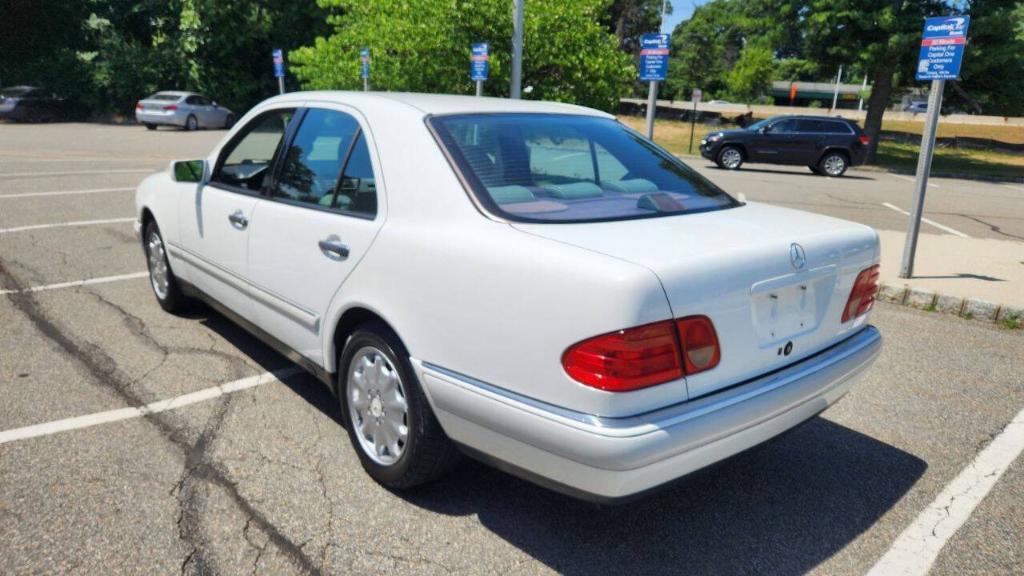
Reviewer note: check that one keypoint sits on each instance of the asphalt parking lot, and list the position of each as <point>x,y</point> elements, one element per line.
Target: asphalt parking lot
<point>258,477</point>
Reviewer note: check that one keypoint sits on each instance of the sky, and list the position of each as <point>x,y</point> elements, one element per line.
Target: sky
<point>681,10</point>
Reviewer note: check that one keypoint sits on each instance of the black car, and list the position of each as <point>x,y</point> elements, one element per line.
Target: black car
<point>828,146</point>
<point>30,104</point>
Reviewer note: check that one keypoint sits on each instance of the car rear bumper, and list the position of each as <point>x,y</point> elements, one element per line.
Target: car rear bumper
<point>161,118</point>
<point>611,459</point>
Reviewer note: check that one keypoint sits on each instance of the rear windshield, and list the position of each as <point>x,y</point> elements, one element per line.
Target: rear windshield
<point>168,97</point>
<point>565,168</point>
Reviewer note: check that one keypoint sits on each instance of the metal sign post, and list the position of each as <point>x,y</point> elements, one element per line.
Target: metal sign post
<point>364,68</point>
<point>942,51</point>
<point>515,89</point>
<point>653,69</point>
<point>278,57</point>
<point>479,65</point>
<point>695,97</point>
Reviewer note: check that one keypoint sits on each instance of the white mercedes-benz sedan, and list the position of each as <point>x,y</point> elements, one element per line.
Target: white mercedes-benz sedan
<point>530,283</point>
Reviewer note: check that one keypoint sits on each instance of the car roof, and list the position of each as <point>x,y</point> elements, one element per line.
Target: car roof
<point>440,104</point>
<point>176,93</point>
<point>808,117</point>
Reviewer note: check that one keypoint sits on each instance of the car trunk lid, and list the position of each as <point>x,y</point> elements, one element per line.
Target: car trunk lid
<point>773,281</point>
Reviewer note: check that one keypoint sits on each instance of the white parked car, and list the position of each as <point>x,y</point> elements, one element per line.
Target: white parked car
<point>530,283</point>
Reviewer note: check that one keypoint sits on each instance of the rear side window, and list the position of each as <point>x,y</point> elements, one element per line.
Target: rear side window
<point>314,160</point>
<point>567,168</point>
<point>815,126</point>
<point>328,165</point>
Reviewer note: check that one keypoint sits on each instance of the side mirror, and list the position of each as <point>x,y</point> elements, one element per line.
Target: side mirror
<point>188,170</point>
<point>762,130</point>
<point>215,105</point>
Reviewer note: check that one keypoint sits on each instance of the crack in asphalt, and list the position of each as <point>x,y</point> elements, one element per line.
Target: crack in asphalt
<point>991,226</point>
<point>137,327</point>
<point>105,371</point>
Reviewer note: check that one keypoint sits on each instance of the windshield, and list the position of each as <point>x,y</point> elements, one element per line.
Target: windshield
<point>167,97</point>
<point>567,168</point>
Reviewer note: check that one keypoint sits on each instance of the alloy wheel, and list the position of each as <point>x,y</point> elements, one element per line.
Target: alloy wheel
<point>158,269</point>
<point>377,406</point>
<point>731,158</point>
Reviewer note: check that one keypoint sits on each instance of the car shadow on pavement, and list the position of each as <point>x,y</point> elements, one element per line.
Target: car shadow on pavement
<point>790,172</point>
<point>781,508</point>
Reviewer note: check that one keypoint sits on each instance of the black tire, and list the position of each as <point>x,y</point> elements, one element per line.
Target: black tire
<point>729,158</point>
<point>191,123</point>
<point>427,453</point>
<point>833,164</point>
<point>229,121</point>
<point>173,300</point>
<point>150,126</point>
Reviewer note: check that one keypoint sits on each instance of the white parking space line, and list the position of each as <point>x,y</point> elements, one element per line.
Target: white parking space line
<point>1012,187</point>
<point>927,221</point>
<point>65,192</point>
<point>912,179</point>
<point>65,224</point>
<point>916,549</point>
<point>75,283</point>
<point>98,418</point>
<point>76,173</point>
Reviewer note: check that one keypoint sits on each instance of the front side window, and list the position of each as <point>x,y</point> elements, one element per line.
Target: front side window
<point>567,168</point>
<point>782,127</point>
<point>248,158</point>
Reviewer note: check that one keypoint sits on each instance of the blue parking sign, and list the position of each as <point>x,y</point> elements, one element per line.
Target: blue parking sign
<point>942,47</point>
<point>278,57</point>
<point>653,57</point>
<point>479,62</point>
<point>364,58</point>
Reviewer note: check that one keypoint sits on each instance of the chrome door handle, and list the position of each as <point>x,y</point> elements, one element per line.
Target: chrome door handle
<point>238,219</point>
<point>332,246</point>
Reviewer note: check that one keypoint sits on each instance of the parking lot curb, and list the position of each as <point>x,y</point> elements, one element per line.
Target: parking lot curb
<point>968,308</point>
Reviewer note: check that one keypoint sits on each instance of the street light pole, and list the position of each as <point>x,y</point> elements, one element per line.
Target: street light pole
<point>924,166</point>
<point>515,90</point>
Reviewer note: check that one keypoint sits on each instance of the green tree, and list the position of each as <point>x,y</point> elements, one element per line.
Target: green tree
<point>629,19</point>
<point>992,74</point>
<point>40,41</point>
<point>881,36</point>
<point>751,77</point>
<point>423,46</point>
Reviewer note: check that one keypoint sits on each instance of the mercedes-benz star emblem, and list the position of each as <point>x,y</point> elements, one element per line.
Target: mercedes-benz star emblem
<point>797,257</point>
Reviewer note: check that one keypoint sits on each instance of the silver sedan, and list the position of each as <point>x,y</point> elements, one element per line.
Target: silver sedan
<point>186,110</point>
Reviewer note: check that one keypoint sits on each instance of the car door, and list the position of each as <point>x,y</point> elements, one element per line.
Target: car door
<point>314,226</point>
<point>209,118</point>
<point>216,221</point>
<point>811,138</point>
<point>770,144</point>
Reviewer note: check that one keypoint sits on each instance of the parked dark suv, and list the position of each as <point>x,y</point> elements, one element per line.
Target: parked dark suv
<point>828,146</point>
<point>30,104</point>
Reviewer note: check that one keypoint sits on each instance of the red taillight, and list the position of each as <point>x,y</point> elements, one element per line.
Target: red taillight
<point>627,359</point>
<point>171,107</point>
<point>700,344</point>
<point>138,106</point>
<point>639,357</point>
<point>864,140</point>
<point>862,297</point>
